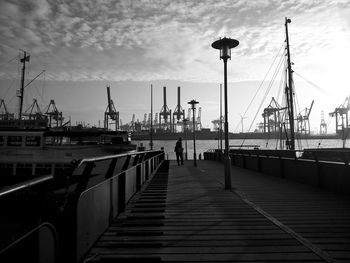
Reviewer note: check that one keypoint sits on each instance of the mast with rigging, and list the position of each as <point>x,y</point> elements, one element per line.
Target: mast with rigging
<point>290,93</point>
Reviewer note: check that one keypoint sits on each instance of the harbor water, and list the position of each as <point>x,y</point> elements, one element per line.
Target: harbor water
<point>204,145</point>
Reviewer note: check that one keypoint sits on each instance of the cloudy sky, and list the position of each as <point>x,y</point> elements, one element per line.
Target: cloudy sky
<point>83,46</point>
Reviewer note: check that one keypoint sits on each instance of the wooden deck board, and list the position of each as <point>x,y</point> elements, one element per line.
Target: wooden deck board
<point>193,219</point>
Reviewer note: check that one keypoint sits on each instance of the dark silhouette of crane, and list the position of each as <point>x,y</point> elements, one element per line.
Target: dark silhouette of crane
<point>179,112</point>
<point>341,116</point>
<point>165,113</point>
<point>303,123</point>
<point>272,117</point>
<point>323,125</point>
<point>111,113</point>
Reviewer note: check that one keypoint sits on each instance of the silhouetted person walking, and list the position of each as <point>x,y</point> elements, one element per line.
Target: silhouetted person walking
<point>179,150</point>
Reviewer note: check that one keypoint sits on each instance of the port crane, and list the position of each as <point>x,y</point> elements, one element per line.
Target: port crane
<point>341,116</point>
<point>34,112</point>
<point>199,119</point>
<point>272,117</point>
<point>4,114</point>
<point>111,113</point>
<point>303,123</point>
<point>323,125</point>
<point>165,112</point>
<point>179,112</point>
<point>54,114</point>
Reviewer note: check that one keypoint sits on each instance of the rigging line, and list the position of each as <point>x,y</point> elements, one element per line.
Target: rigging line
<point>261,84</point>
<point>312,84</point>
<point>265,95</point>
<point>268,89</point>
<point>3,64</point>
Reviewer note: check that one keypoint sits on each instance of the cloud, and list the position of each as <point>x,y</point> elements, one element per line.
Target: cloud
<point>148,39</point>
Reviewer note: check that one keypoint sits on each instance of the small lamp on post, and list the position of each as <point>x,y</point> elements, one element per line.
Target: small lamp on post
<point>193,106</point>
<point>185,131</point>
<point>225,45</point>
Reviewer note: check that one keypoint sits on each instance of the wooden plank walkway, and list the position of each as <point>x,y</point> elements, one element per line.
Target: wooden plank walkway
<point>186,216</point>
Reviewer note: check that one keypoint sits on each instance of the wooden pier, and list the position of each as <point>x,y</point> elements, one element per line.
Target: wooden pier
<point>185,215</point>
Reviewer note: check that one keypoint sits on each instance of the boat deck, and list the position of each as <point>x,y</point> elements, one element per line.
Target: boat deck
<point>185,215</point>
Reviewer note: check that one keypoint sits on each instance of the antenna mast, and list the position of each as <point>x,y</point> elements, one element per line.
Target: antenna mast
<point>20,95</point>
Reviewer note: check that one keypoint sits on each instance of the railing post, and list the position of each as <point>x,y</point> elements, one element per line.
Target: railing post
<point>121,192</point>
<point>83,182</point>
<point>138,177</point>
<point>111,168</point>
<point>126,163</point>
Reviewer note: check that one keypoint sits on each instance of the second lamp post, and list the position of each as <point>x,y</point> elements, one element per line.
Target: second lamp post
<point>225,45</point>
<point>193,106</point>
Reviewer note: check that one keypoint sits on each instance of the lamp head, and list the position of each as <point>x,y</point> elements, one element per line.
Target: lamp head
<point>225,45</point>
<point>193,103</point>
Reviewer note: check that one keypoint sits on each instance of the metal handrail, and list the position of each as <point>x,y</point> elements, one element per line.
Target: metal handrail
<point>103,158</point>
<point>23,185</point>
<point>46,224</point>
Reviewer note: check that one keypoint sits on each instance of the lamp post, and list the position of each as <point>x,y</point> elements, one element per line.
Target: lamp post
<point>225,45</point>
<point>185,131</point>
<point>193,106</point>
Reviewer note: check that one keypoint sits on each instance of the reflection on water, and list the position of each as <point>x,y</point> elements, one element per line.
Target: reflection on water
<point>204,145</point>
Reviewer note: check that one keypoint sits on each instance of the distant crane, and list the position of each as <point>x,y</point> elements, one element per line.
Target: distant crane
<point>111,113</point>
<point>272,118</point>
<point>148,124</point>
<point>54,114</point>
<point>4,114</point>
<point>179,112</point>
<point>34,111</point>
<point>144,122</point>
<point>341,116</point>
<point>165,112</point>
<point>132,124</point>
<point>190,118</point>
<point>303,123</point>
<point>323,125</point>
<point>155,122</point>
<point>199,119</point>
<point>242,119</point>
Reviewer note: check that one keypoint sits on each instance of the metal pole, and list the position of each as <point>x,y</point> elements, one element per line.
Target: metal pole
<point>194,139</point>
<point>220,134</point>
<point>186,143</point>
<point>227,156</point>
<point>151,132</point>
<point>290,89</point>
<point>23,60</point>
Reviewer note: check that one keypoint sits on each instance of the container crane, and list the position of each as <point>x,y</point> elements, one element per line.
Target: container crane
<point>323,125</point>
<point>341,116</point>
<point>165,112</point>
<point>111,113</point>
<point>272,116</point>
<point>199,119</point>
<point>4,114</point>
<point>179,112</point>
<point>54,114</point>
<point>303,123</point>
<point>34,112</point>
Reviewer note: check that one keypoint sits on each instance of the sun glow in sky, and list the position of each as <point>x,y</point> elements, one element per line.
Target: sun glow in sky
<point>86,45</point>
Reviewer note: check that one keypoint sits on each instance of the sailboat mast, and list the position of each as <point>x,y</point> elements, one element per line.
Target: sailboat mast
<point>290,92</point>
<point>23,60</point>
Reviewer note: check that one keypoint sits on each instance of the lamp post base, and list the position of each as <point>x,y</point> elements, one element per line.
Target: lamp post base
<point>227,161</point>
<point>194,160</point>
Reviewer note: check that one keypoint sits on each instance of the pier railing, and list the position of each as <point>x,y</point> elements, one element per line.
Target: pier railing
<point>79,206</point>
<point>25,233</point>
<point>329,175</point>
<point>100,203</point>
